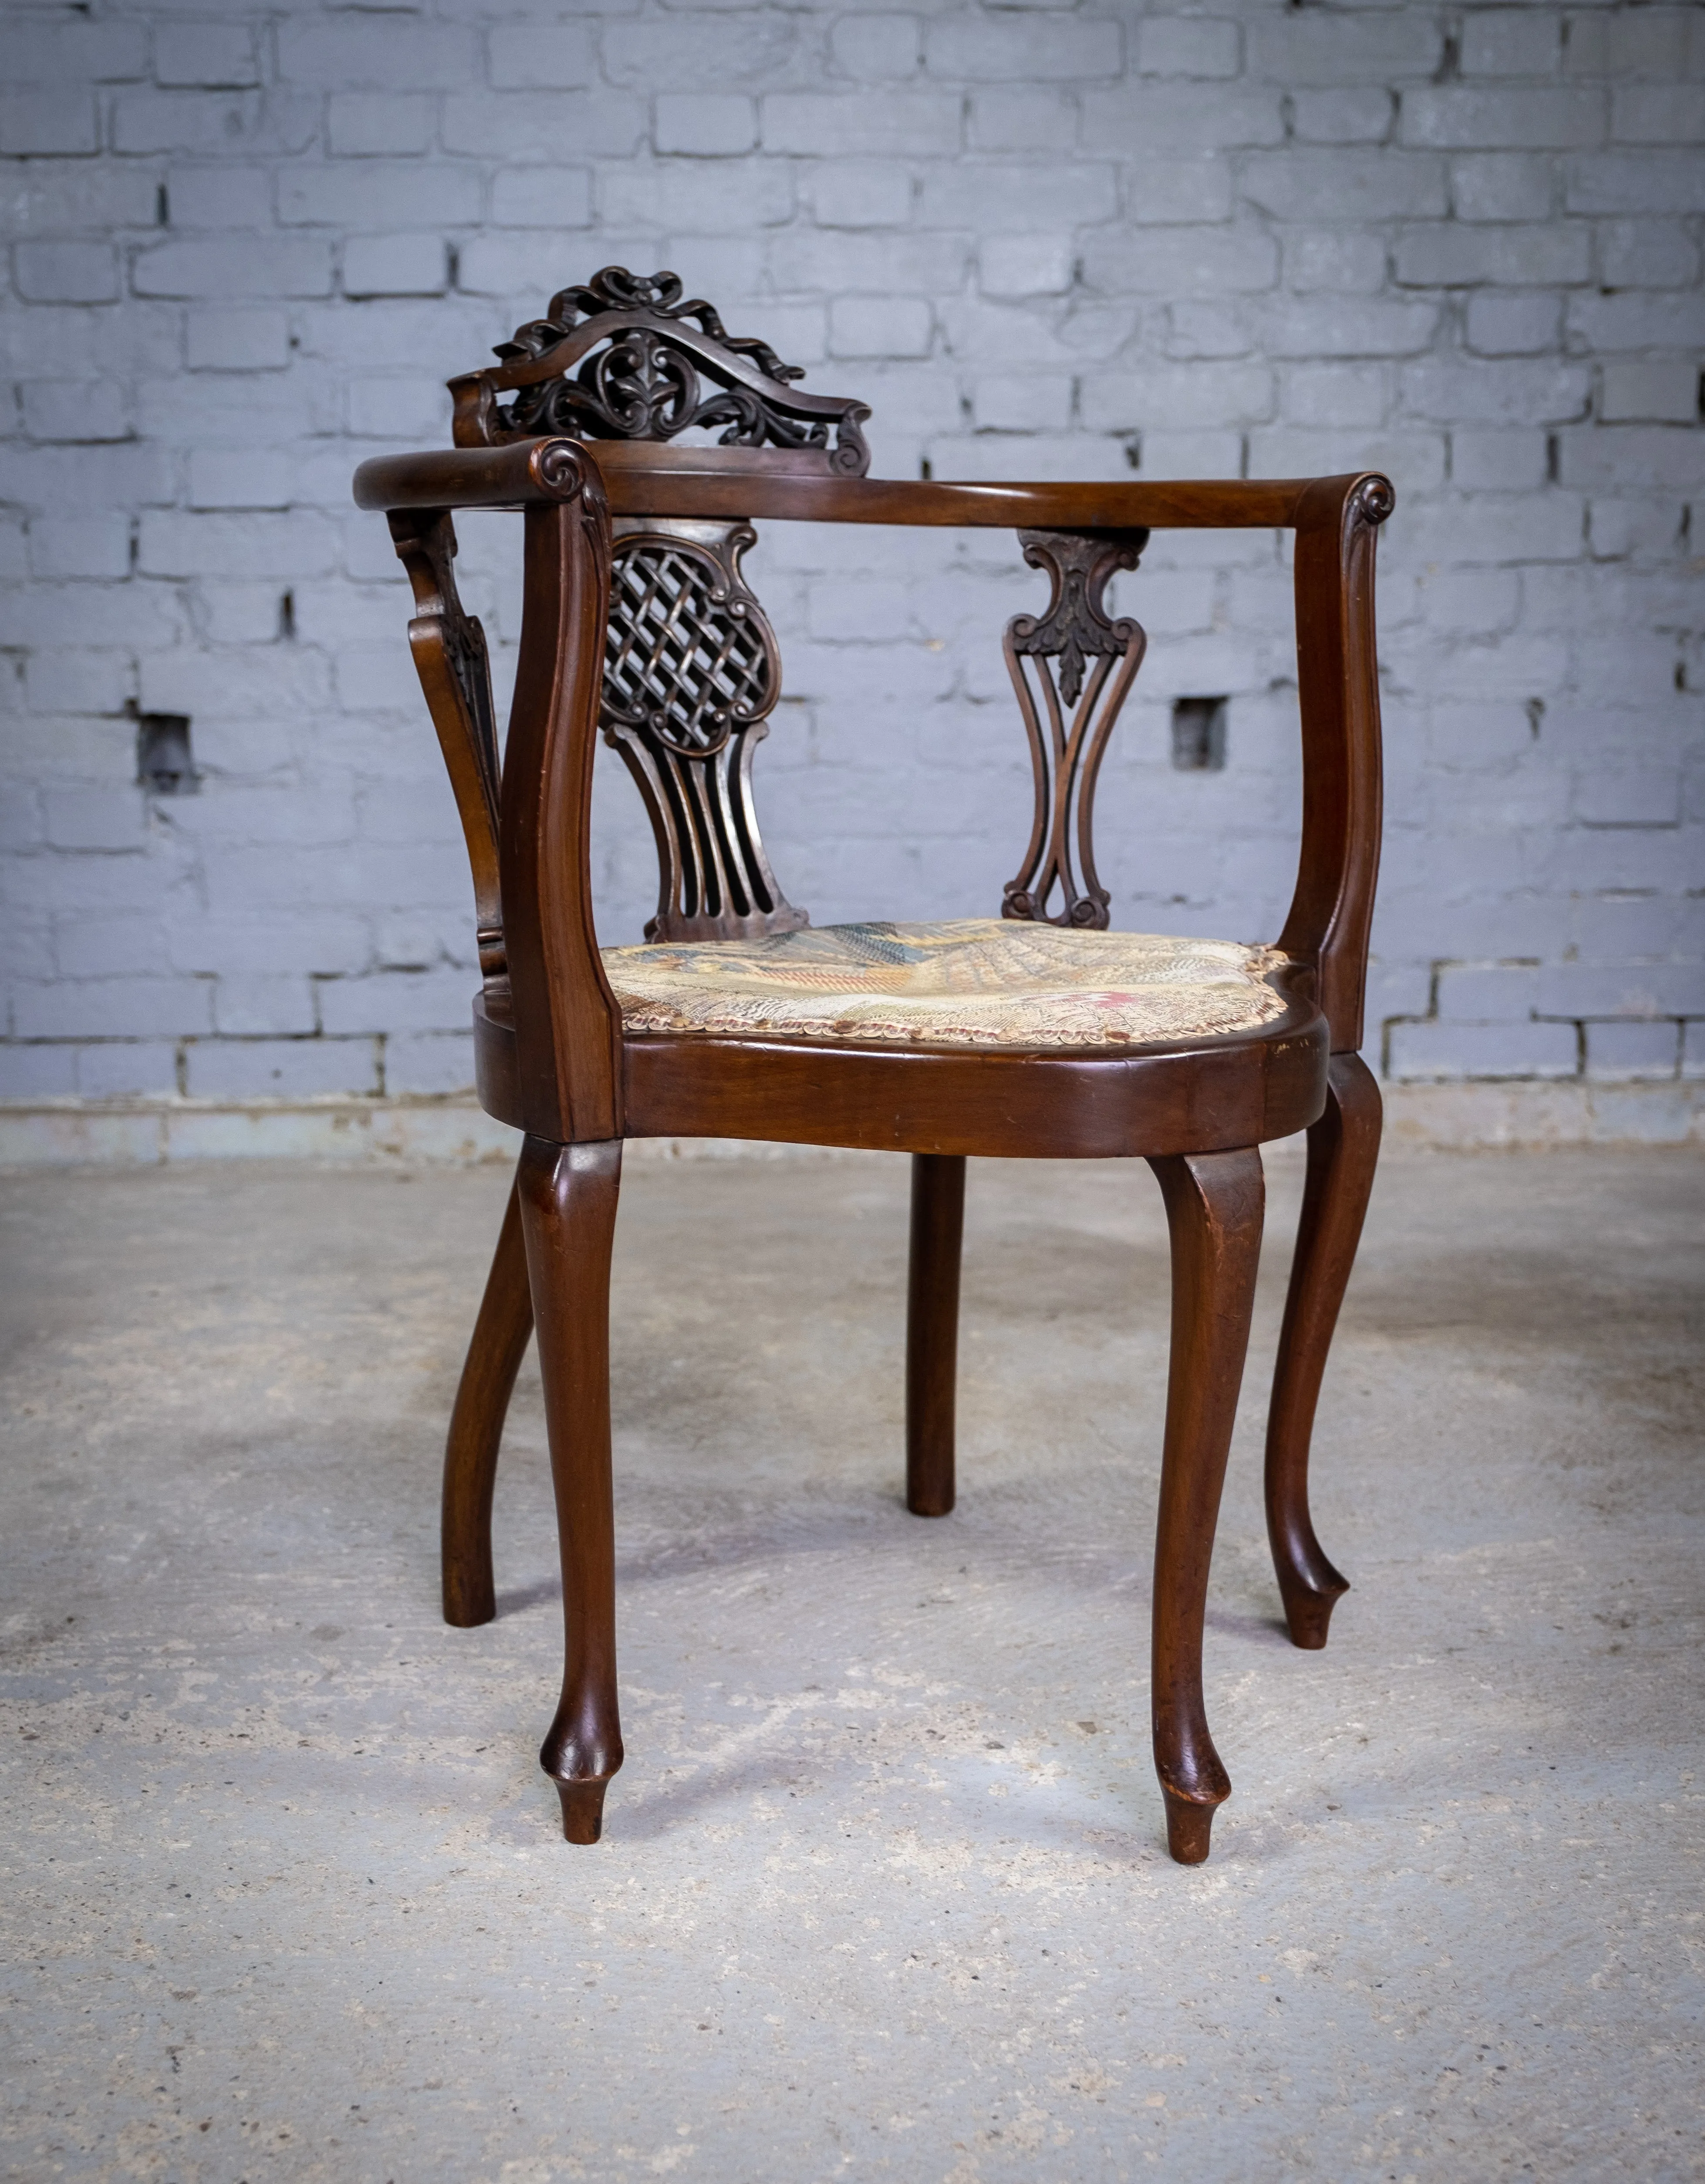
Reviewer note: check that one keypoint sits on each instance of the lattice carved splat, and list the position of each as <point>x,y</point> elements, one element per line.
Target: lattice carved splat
<point>691,673</point>
<point>1073,668</point>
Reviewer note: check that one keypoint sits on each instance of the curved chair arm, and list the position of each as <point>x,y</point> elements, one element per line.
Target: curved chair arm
<point>1338,688</point>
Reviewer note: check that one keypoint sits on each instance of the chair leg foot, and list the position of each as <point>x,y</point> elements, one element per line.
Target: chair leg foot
<point>1343,1150</point>
<point>568,1195</point>
<point>582,1809</point>
<point>1189,1825</point>
<point>1214,1205</point>
<point>932,1330</point>
<point>500,1336</point>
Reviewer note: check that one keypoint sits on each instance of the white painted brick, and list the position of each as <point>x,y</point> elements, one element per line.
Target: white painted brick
<point>359,51</point>
<point>1167,454</point>
<point>1007,197</point>
<point>859,193</point>
<point>218,340</point>
<point>1161,191</point>
<point>1209,329</point>
<point>1339,395</point>
<point>1448,255</point>
<point>398,1000</point>
<point>1646,526</point>
<point>375,123</point>
<point>542,197</point>
<point>1192,119</point>
<point>1039,118</point>
<point>537,125</point>
<point>1026,264</point>
<point>266,267</point>
<point>1348,186</point>
<point>124,1068</point>
<point>113,1008</point>
<point>877,48</point>
<point>541,56</point>
<point>1629,322</point>
<point>1663,392</point>
<point>239,478</point>
<point>206,53</point>
<point>1666,458</point>
<point>1510,41</point>
<point>1552,118</point>
<point>378,193</point>
<point>1519,325</point>
<point>1483,459</point>
<point>1627,797</point>
<point>1340,260</point>
<point>1432,1051</point>
<point>1693,1048</point>
<point>72,197</point>
<point>705,122</point>
<point>865,325</point>
<point>281,1069</point>
<point>1483,393</point>
<point>36,48</point>
<point>871,265</point>
<point>1659,114</point>
<point>1307,47</point>
<point>1625,1051</point>
<point>1181,261</point>
<point>1633,990</point>
<point>1503,186</point>
<point>218,194</point>
<point>44,1071</point>
<point>66,272</point>
<point>989,49</point>
<point>1328,327</point>
<point>1186,45</point>
<point>48,122</point>
<point>1646,253</point>
<point>393,266</point>
<point>683,194</point>
<point>1007,404</point>
<point>80,546</point>
<point>75,409</point>
<point>1364,115</point>
<point>249,1005</point>
<point>429,1062</point>
<point>1178,397</point>
<point>685,50</point>
<point>898,123</point>
<point>1640,182</point>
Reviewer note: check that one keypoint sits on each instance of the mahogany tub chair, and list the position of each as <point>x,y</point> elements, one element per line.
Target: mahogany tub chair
<point>1040,1034</point>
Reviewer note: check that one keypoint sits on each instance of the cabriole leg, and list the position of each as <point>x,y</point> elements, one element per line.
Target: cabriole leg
<point>501,1334</point>
<point>567,1196</point>
<point>932,1330</point>
<point>1214,1204</point>
<point>1343,1148</point>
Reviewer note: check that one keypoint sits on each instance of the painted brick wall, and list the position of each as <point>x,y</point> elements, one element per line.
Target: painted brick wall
<point>1463,243</point>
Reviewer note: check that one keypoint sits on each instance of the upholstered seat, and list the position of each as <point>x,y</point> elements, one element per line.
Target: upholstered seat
<point>975,982</point>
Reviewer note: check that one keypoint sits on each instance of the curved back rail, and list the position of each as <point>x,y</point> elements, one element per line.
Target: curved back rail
<point>1085,664</point>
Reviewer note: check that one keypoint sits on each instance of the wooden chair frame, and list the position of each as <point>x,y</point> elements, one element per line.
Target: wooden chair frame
<point>553,1059</point>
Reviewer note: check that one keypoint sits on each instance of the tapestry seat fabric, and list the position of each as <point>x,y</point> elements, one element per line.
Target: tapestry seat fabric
<point>976,982</point>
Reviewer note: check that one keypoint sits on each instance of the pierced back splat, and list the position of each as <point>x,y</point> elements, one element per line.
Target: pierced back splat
<point>1072,668</point>
<point>691,674</point>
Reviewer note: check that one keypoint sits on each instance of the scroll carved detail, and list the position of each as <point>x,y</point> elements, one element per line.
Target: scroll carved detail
<point>620,357</point>
<point>1069,706</point>
<point>691,674</point>
<point>451,659</point>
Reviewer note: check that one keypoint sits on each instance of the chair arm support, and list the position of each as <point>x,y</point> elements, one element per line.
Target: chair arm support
<point>568,1025</point>
<point>1338,688</point>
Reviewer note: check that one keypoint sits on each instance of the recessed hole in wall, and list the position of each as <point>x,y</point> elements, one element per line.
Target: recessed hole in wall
<point>287,615</point>
<point>1553,458</point>
<point>162,208</point>
<point>1199,734</point>
<point>163,765</point>
<point>1682,674</point>
<point>1133,453</point>
<point>923,469</point>
<point>1535,715</point>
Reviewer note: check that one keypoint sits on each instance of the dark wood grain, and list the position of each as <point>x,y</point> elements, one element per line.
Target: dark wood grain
<point>1343,1151</point>
<point>501,1334</point>
<point>1214,1208</point>
<point>932,1330</point>
<point>620,358</point>
<point>567,1196</point>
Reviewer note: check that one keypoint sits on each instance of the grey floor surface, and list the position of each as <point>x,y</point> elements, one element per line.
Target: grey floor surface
<point>882,1890</point>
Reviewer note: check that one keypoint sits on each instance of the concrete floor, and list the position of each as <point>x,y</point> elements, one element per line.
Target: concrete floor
<point>882,1890</point>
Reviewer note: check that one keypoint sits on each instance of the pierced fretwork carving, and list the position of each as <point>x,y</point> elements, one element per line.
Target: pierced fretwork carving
<point>691,672</point>
<point>1072,668</point>
<point>450,658</point>
<point>619,357</point>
